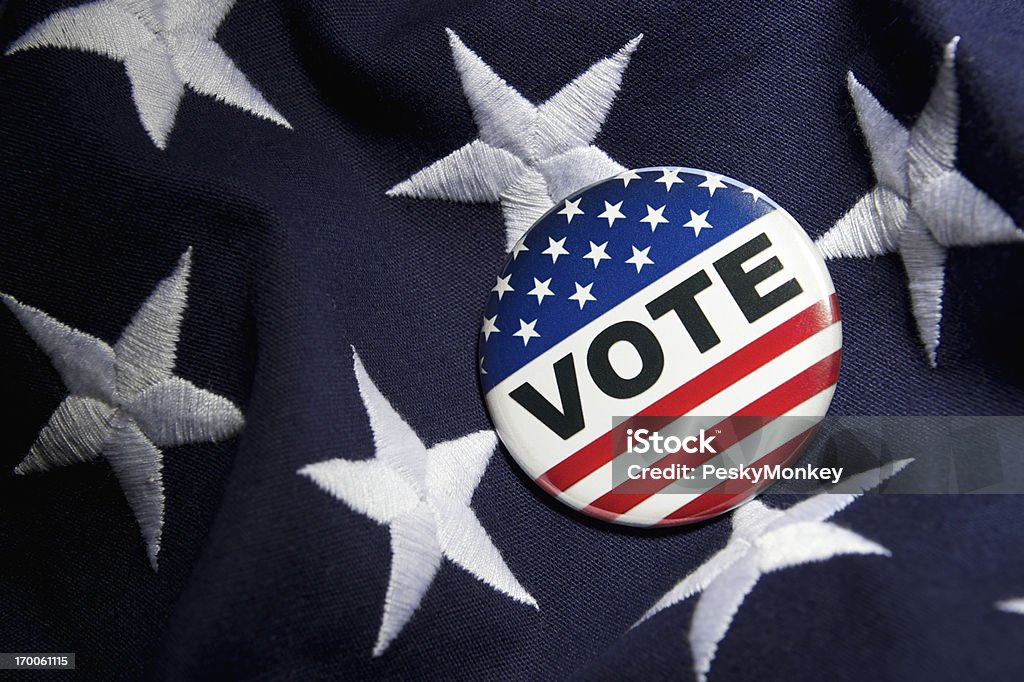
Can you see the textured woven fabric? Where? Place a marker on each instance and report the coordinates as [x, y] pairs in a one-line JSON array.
[[299, 254]]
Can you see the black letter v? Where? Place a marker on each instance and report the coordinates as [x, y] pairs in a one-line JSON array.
[[564, 424]]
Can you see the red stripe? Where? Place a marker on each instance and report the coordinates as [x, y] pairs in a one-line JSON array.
[[708, 383], [765, 409], [718, 501]]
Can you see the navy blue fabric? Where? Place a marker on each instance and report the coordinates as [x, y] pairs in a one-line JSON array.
[[299, 256]]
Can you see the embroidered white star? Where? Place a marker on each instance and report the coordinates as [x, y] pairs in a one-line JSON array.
[[519, 248], [713, 182], [597, 253], [571, 210], [611, 213], [125, 402], [555, 249], [669, 178], [527, 156], [921, 205], [164, 46], [627, 176], [540, 289], [582, 294], [654, 217], [698, 221], [423, 496], [765, 540], [527, 331], [489, 327], [502, 286], [1012, 606], [639, 258]]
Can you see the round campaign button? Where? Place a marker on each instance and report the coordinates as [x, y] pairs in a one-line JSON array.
[[660, 346]]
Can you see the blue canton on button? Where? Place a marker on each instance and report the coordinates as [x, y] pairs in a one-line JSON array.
[[559, 277]]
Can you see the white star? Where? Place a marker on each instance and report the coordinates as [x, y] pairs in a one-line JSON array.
[[669, 178], [489, 327], [125, 402], [582, 294], [555, 249], [921, 205], [698, 221], [527, 332], [611, 212], [526, 156], [571, 210], [654, 217], [423, 496], [764, 540], [713, 182], [754, 193], [502, 286], [540, 289], [164, 46], [1012, 606], [626, 176], [519, 248], [597, 253], [639, 258]]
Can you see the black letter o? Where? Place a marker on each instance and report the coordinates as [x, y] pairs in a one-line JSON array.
[[646, 344]]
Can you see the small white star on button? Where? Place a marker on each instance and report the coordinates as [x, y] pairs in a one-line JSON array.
[[713, 182], [582, 294], [502, 286], [489, 327], [571, 210], [669, 178], [540, 289], [611, 212], [519, 248], [597, 253], [626, 176], [526, 331], [698, 221], [655, 217], [756, 194], [555, 249], [639, 258]]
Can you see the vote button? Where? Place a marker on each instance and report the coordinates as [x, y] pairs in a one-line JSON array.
[[660, 346]]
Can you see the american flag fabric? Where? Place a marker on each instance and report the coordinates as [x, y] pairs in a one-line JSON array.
[[248, 247]]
